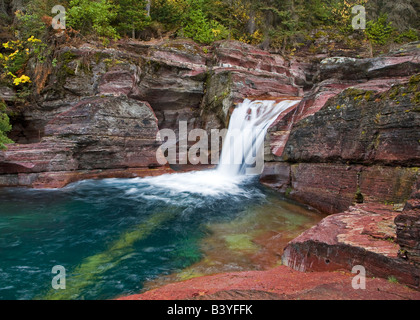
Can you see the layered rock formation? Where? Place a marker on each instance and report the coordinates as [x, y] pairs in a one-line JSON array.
[[360, 144], [364, 236], [72, 126], [351, 149], [97, 137], [408, 229]]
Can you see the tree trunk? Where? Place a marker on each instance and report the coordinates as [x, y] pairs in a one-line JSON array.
[[251, 25], [370, 49], [148, 6]]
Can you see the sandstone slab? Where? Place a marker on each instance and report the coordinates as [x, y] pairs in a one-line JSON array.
[[364, 235]]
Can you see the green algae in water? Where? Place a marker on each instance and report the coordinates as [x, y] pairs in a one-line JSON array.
[[92, 267], [240, 242]]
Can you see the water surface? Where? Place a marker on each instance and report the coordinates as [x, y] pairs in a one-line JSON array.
[[120, 236]]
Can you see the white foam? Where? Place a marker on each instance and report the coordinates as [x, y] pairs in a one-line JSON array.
[[207, 183]]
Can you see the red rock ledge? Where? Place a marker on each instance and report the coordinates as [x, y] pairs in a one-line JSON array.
[[363, 235], [280, 283]]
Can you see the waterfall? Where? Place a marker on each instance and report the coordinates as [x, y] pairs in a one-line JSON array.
[[243, 148], [242, 154]]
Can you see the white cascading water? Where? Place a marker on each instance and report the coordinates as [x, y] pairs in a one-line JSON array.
[[244, 141], [243, 149]]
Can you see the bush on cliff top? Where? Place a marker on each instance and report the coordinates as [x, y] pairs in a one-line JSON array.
[[280, 23], [200, 28]]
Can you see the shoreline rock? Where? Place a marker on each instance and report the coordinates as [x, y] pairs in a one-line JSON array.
[[364, 235], [280, 283]]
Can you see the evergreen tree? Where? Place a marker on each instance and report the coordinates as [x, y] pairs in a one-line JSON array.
[[93, 17], [132, 16], [199, 27]]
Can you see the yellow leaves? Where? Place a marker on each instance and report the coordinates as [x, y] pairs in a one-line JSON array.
[[13, 55], [19, 14], [34, 40], [253, 39], [216, 32], [19, 80], [13, 45], [22, 79], [14, 61], [344, 11], [178, 4]]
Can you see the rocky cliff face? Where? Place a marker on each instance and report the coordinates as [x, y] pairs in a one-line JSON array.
[[408, 228], [101, 136], [371, 141], [98, 112], [351, 149]]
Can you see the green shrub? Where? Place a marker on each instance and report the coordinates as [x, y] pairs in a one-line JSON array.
[[93, 17], [379, 31], [201, 29], [17, 54], [407, 36], [30, 22], [4, 126]]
